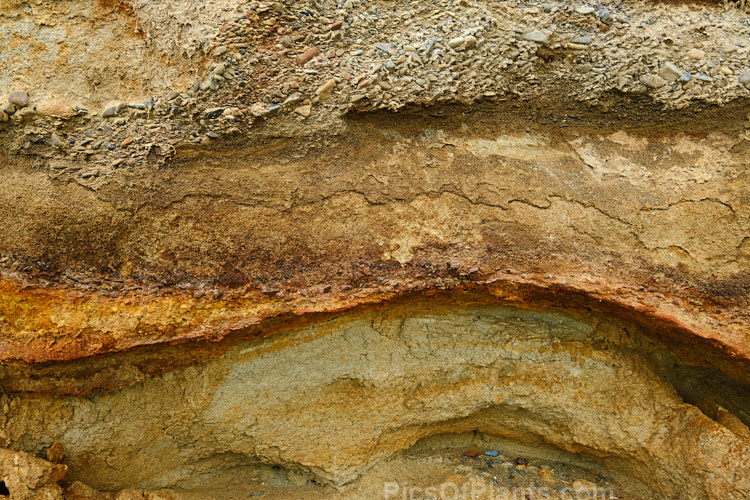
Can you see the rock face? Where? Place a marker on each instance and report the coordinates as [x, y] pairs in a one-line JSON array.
[[333, 251]]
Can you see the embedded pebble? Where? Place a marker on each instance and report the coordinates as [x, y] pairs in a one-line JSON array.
[[492, 453], [582, 40], [307, 55], [324, 91], [19, 99], [696, 54], [653, 81], [535, 36], [584, 9], [303, 111], [670, 72], [109, 112], [385, 48], [744, 79]]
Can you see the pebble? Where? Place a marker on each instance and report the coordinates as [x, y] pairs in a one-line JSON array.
[[522, 461], [324, 91], [56, 108], [3, 117], [307, 55], [653, 81], [8, 109], [535, 36], [670, 72], [744, 79], [492, 453], [685, 77], [303, 111], [696, 54], [385, 48], [19, 99], [212, 113], [336, 26], [357, 52], [604, 15], [220, 50], [583, 485], [582, 40], [703, 78], [127, 141], [584, 9], [455, 42], [109, 112]]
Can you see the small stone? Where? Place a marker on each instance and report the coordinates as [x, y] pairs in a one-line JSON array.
[[303, 111], [25, 113], [584, 10], [670, 72], [492, 453], [324, 91], [604, 16], [581, 485], [703, 78], [3, 117], [212, 113], [336, 26], [127, 141], [535, 36], [522, 461], [471, 453], [544, 475], [19, 99], [582, 40], [286, 41], [744, 80], [258, 109], [109, 112], [220, 69], [685, 77], [653, 81], [56, 108], [385, 48], [8, 108], [696, 54], [220, 50], [307, 55], [357, 52], [456, 42], [470, 42]]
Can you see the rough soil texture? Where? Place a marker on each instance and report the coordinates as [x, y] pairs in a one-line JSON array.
[[305, 249]]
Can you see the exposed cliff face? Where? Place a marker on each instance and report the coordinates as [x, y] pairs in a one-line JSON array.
[[267, 282]]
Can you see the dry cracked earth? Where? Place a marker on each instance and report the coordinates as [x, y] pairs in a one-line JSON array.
[[368, 249]]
